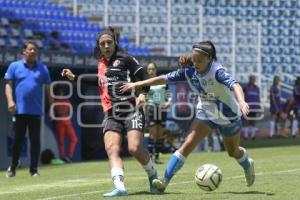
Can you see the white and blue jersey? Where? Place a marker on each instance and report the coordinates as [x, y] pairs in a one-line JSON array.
[[217, 106]]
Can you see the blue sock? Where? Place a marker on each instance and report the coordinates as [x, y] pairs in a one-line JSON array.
[[244, 160], [175, 163]]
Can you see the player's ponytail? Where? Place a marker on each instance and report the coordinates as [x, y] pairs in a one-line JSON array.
[[213, 52]]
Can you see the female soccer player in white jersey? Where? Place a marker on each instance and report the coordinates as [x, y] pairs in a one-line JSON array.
[[221, 104]]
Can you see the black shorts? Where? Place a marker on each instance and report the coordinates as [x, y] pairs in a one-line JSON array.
[[250, 119], [156, 115], [252, 115], [125, 121]]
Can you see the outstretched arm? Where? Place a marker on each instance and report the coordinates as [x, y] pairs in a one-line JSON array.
[[88, 79], [238, 91], [152, 81]]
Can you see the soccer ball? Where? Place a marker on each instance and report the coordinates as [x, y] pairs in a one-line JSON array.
[[208, 177]]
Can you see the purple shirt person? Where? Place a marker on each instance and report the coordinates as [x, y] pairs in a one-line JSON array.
[[252, 97], [277, 109], [275, 103], [296, 106], [296, 94]]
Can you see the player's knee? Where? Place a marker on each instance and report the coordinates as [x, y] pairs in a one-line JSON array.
[[134, 149], [112, 150]]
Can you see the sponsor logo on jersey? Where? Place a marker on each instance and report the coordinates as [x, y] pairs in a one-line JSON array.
[[37, 74], [116, 63], [203, 82]]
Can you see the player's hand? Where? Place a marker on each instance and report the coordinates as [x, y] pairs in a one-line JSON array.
[[185, 60], [68, 73], [12, 107], [244, 107], [140, 100], [166, 105], [128, 87]]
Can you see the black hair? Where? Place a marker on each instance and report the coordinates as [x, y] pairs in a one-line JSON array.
[[54, 34], [274, 79], [114, 34], [252, 77], [25, 45], [297, 82], [59, 88], [207, 48]]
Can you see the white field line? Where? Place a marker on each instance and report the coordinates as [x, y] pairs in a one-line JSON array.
[[61, 184], [86, 182]]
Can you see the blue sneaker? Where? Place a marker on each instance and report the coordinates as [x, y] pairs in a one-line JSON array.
[[153, 190], [115, 193]]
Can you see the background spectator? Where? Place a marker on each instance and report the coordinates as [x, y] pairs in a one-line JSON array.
[[24, 88]]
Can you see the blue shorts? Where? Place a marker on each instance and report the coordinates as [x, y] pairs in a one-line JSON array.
[[227, 130]]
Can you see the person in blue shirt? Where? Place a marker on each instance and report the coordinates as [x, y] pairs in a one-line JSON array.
[[25, 79], [221, 105]]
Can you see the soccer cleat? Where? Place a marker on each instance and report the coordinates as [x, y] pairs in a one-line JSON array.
[[115, 193], [10, 173], [153, 189], [160, 185], [35, 174], [67, 160], [250, 174]]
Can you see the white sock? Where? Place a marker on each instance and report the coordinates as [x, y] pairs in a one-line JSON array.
[[117, 175], [244, 160], [272, 128], [294, 127], [149, 168], [180, 156], [246, 129], [244, 157]]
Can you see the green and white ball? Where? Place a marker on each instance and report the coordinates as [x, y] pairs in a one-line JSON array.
[[208, 177]]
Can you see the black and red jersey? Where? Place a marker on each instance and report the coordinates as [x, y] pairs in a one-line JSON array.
[[121, 68]]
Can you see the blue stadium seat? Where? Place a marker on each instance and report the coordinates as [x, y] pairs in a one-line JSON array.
[[2, 43], [13, 43], [3, 32], [4, 22], [28, 33]]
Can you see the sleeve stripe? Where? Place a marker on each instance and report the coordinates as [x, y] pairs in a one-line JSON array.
[[230, 86], [165, 77], [137, 70]]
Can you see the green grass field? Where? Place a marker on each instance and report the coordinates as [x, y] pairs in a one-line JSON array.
[[277, 177]]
